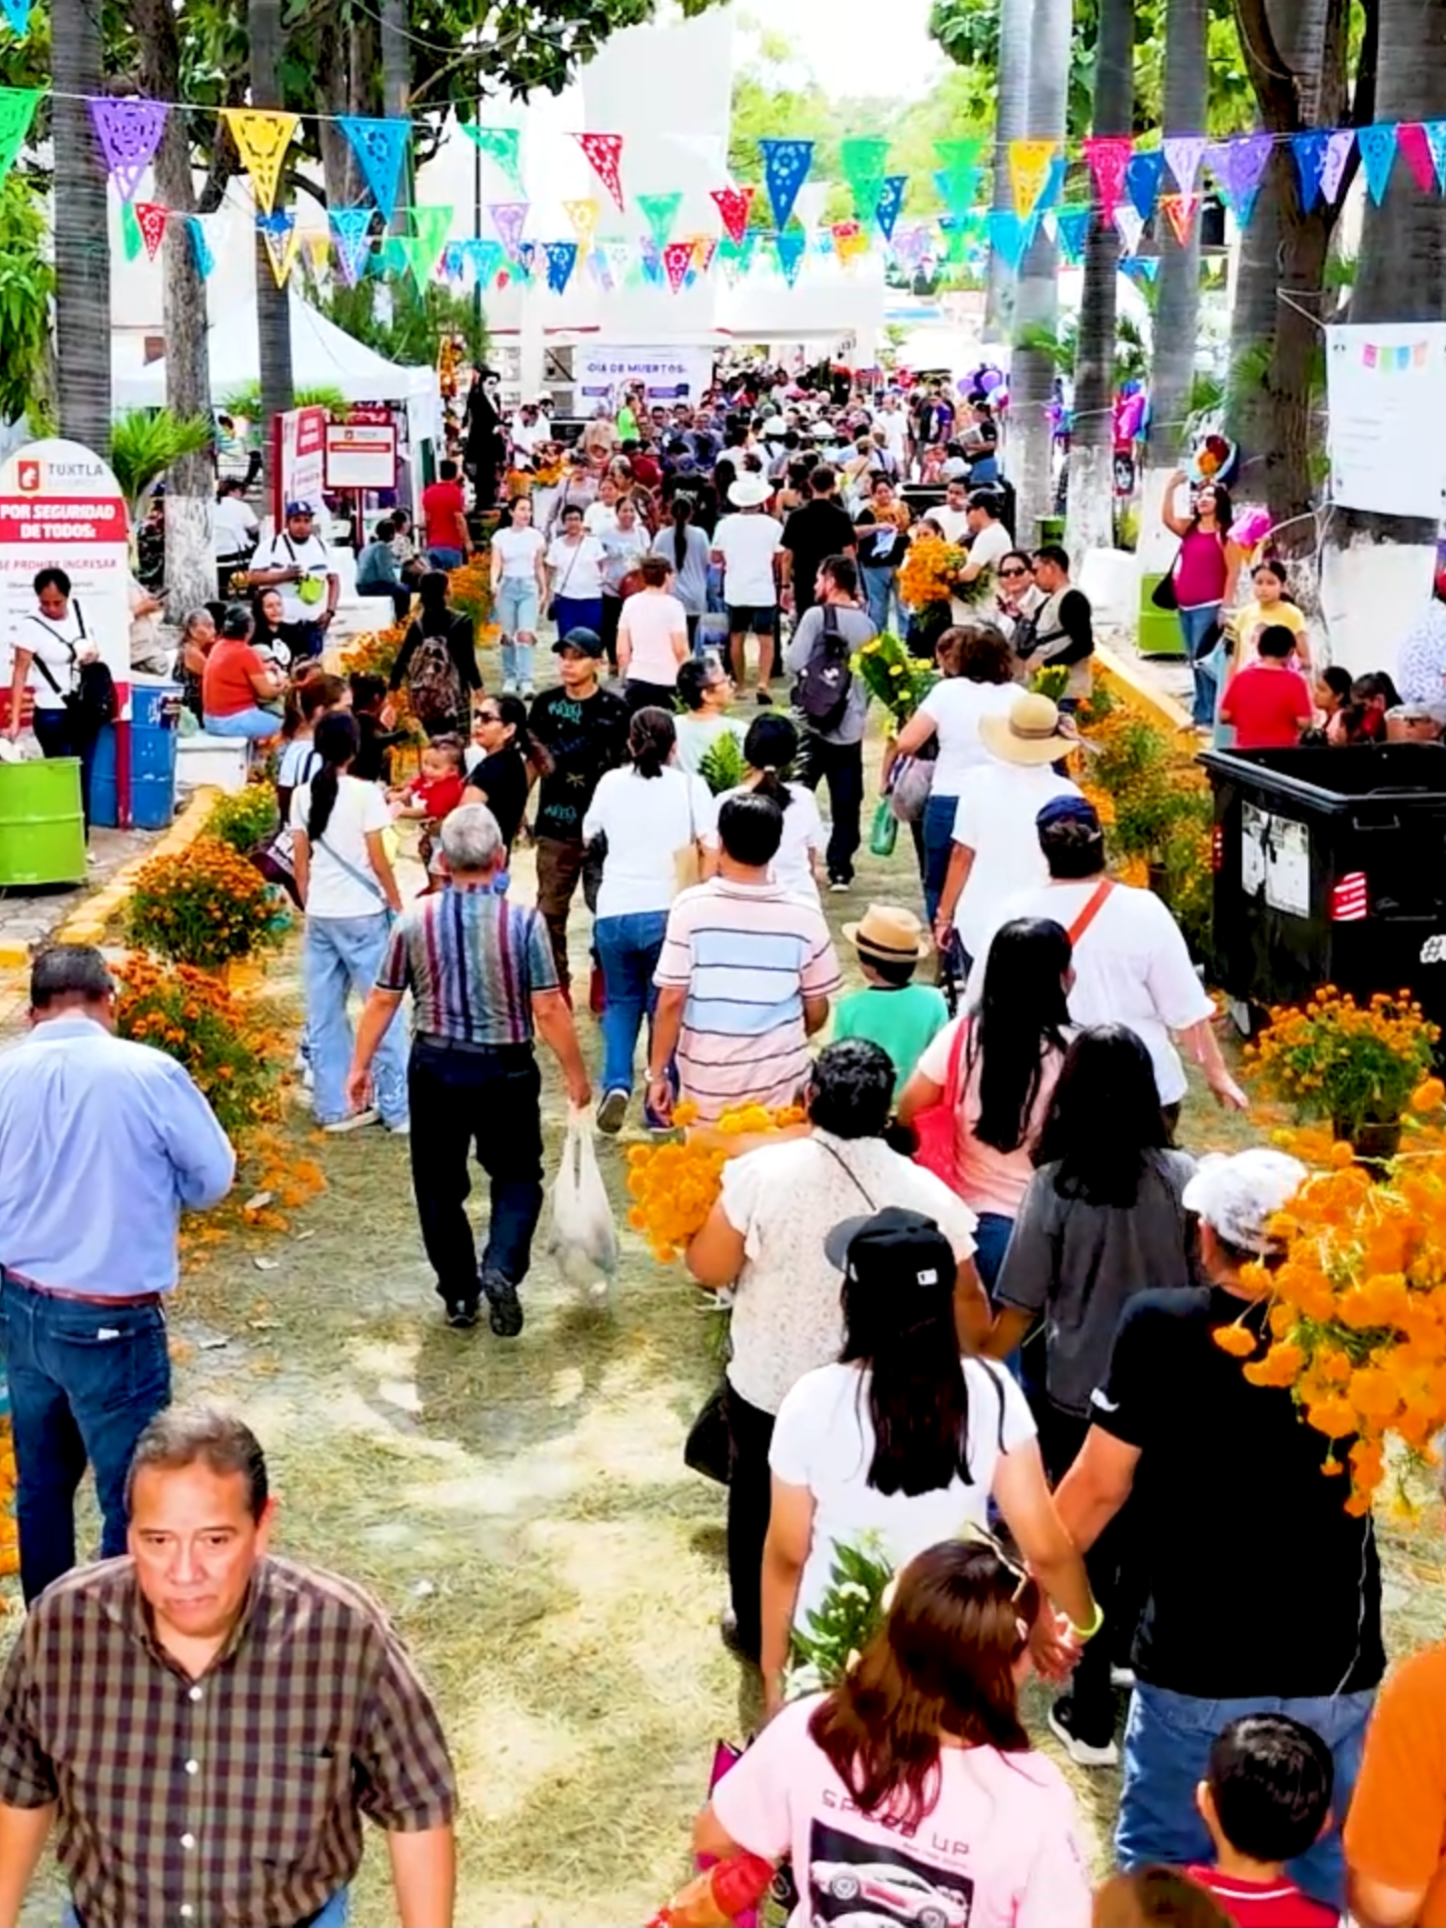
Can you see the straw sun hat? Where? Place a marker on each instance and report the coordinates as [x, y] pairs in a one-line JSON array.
[[884, 932], [1030, 733]]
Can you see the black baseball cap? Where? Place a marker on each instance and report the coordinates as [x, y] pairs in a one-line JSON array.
[[586, 640], [906, 1247]]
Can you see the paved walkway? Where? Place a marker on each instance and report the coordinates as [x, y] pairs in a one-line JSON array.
[[29, 916]]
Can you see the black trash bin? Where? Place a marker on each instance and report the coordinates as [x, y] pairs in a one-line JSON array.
[[1330, 868]]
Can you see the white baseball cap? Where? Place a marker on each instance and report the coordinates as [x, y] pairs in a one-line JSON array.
[[1237, 1195]]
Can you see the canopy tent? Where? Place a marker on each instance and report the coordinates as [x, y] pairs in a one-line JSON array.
[[322, 356]]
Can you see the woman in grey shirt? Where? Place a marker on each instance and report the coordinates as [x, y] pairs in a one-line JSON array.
[[1102, 1220], [685, 550]]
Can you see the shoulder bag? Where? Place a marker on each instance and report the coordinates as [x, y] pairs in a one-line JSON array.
[[688, 860], [936, 1127], [566, 579], [1090, 910], [91, 701]]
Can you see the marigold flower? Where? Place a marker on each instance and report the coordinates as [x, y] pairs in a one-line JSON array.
[[1429, 1096], [1235, 1340]]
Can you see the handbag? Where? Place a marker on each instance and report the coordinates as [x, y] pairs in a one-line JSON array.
[[1164, 594], [688, 861], [936, 1126], [91, 701], [566, 579], [911, 783], [707, 1449]]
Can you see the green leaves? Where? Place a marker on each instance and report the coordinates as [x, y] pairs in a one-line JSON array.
[[146, 442]]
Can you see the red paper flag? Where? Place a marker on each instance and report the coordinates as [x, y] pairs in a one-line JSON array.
[[733, 204], [1411, 141], [1109, 156], [605, 153], [1180, 211], [677, 259], [151, 217]]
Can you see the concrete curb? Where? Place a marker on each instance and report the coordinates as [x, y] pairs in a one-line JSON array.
[[1129, 680], [87, 925]]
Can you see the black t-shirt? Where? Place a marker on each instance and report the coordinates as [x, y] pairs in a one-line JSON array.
[[811, 534], [502, 779], [584, 737], [1260, 1582], [885, 550]]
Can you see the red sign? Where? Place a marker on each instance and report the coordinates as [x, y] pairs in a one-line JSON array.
[[27, 519]]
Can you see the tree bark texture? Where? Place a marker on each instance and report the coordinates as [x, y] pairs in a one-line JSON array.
[[1032, 370], [273, 304], [1016, 18], [82, 238], [1177, 307]]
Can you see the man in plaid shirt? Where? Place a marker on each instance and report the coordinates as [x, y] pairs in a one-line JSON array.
[[204, 1723]]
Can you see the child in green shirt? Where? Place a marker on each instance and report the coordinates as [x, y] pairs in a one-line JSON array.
[[902, 1017]]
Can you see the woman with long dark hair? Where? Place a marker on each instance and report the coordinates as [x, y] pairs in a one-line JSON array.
[[915, 1774], [502, 774], [1102, 1220], [345, 884], [769, 750], [684, 547], [440, 688], [1203, 577], [1002, 1059]]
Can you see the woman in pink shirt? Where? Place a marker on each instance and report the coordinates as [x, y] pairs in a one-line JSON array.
[[1204, 574], [1003, 1059], [911, 1793], [652, 639]]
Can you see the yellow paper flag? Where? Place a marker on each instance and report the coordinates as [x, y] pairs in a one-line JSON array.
[[583, 217], [278, 231], [1029, 165], [262, 136], [318, 246]]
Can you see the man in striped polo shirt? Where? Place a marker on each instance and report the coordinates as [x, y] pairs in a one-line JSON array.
[[744, 978]]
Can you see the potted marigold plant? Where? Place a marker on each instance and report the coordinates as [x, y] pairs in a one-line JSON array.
[[205, 906], [1355, 1065], [192, 1017]]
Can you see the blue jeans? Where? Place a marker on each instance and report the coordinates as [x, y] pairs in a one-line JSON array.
[[344, 954], [880, 594], [1196, 626], [247, 723], [572, 612], [991, 1242], [336, 1913], [939, 815], [442, 558], [85, 1381], [628, 949], [1167, 1746], [517, 608]]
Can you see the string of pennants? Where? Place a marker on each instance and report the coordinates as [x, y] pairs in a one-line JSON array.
[[1130, 183]]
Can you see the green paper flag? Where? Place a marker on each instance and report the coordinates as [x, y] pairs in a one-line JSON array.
[[17, 110], [864, 163], [130, 231], [958, 175], [432, 225], [501, 144], [660, 211]]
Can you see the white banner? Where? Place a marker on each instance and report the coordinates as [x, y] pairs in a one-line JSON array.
[[668, 374], [1386, 391]]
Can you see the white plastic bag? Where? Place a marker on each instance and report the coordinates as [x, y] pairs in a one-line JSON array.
[[583, 1239]]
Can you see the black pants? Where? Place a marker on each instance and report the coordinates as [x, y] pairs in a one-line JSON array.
[[489, 1099], [750, 1434], [612, 615], [58, 734], [841, 765], [645, 696]]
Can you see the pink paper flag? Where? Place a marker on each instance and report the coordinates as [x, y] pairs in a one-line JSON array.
[[1109, 156], [1411, 140], [151, 217], [677, 259], [604, 153]]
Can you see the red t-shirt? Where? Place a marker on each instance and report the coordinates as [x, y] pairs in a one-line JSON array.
[[439, 797], [1269, 707], [442, 503], [226, 686], [1264, 1904]]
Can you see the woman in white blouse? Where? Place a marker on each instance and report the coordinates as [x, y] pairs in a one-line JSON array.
[[50, 647], [769, 750]]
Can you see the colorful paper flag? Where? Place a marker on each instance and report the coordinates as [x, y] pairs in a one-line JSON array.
[[790, 246], [1142, 180], [1030, 165], [17, 110], [889, 203], [1072, 229], [733, 204], [318, 250], [129, 132], [1183, 155], [1238, 166], [959, 169], [1108, 156], [677, 259], [1333, 168], [605, 155], [351, 230], [151, 217], [582, 218], [130, 231], [1180, 211], [1308, 150], [660, 211], [863, 161], [1377, 144], [1129, 223], [509, 218], [1141, 267], [561, 257], [277, 228], [201, 253], [484, 258], [499, 144], [1416, 150], [785, 168], [262, 136], [424, 246], [1009, 236], [380, 147], [17, 13]]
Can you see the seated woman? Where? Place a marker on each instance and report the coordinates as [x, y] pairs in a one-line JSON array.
[[236, 683]]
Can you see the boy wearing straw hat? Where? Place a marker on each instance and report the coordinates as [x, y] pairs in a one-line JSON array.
[[901, 1017]]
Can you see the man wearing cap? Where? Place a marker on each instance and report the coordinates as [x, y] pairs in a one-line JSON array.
[[584, 729], [748, 545], [1265, 1594], [989, 540], [295, 562]]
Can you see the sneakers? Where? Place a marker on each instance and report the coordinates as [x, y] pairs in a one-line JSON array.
[[353, 1122], [612, 1111], [837, 884], [402, 1128], [509, 688], [1082, 1753], [462, 1313], [505, 1316], [528, 691]]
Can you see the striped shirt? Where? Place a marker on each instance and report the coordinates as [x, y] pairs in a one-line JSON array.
[[234, 1797], [748, 956], [472, 962]]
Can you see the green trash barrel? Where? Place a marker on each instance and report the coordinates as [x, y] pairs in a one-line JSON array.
[[1159, 628], [42, 831]]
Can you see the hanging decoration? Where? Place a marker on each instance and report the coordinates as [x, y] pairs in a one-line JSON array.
[[605, 155], [1009, 236], [1072, 230], [1309, 150], [1416, 152], [151, 218], [1180, 211], [17, 110], [1435, 133], [1130, 224], [1333, 170], [262, 136], [677, 259], [1142, 180], [789, 247], [351, 230], [582, 219], [318, 250], [785, 168], [1183, 155], [863, 162], [500, 144], [959, 169], [130, 231], [1030, 165], [733, 204], [509, 218], [277, 229], [381, 148], [431, 226], [1238, 166], [484, 258], [1109, 156], [201, 252], [561, 258], [1142, 267], [17, 15], [1377, 144], [891, 200], [660, 211], [129, 132]]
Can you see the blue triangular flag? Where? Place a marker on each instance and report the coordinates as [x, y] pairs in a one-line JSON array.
[[1141, 267], [785, 168], [891, 199], [1009, 236], [485, 258], [1072, 227], [1435, 132], [1142, 180], [1378, 156], [561, 260], [1310, 151], [200, 246], [1054, 186], [351, 238], [380, 147], [790, 249]]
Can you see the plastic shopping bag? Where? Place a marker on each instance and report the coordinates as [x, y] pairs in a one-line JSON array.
[[885, 831], [583, 1239]]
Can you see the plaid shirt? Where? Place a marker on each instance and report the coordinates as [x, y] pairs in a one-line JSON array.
[[472, 961], [235, 1800]]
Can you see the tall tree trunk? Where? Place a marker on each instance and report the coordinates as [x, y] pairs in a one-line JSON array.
[[1091, 454], [190, 491], [82, 238], [397, 92], [1016, 20], [1177, 308], [273, 304], [1032, 370]]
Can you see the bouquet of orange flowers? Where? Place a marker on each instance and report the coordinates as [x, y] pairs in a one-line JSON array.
[[204, 906], [1356, 1065], [675, 1185]]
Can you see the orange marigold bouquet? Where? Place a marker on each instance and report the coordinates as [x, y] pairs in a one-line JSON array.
[[932, 572], [675, 1185], [204, 906], [193, 1018], [1355, 1065]]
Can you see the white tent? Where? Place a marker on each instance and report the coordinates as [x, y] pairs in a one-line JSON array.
[[322, 356]]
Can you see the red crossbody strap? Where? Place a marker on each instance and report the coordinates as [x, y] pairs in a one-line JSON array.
[[1091, 910]]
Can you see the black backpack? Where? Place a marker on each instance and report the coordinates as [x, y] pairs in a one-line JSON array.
[[824, 682]]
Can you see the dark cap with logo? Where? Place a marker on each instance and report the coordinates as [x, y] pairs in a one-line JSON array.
[[586, 641], [903, 1248]]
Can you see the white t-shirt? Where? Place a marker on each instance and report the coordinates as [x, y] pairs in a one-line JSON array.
[[893, 425], [956, 706], [647, 821], [527, 435], [577, 569], [299, 762], [954, 522], [651, 622], [600, 519], [333, 891], [803, 833], [233, 527], [824, 1440], [748, 544], [1131, 967], [519, 550], [995, 818], [991, 545], [697, 735], [57, 643], [285, 552]]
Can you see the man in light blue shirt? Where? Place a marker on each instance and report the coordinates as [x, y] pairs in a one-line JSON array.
[[102, 1143]]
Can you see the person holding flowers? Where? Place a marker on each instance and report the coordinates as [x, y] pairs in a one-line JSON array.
[[1265, 1592]]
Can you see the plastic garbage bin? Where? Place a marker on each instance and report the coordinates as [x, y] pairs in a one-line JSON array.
[[155, 715], [42, 831], [1330, 868]]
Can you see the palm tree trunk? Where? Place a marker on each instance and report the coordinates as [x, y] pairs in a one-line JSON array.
[[273, 304], [1091, 453], [1032, 370], [397, 92], [82, 238], [1016, 19]]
